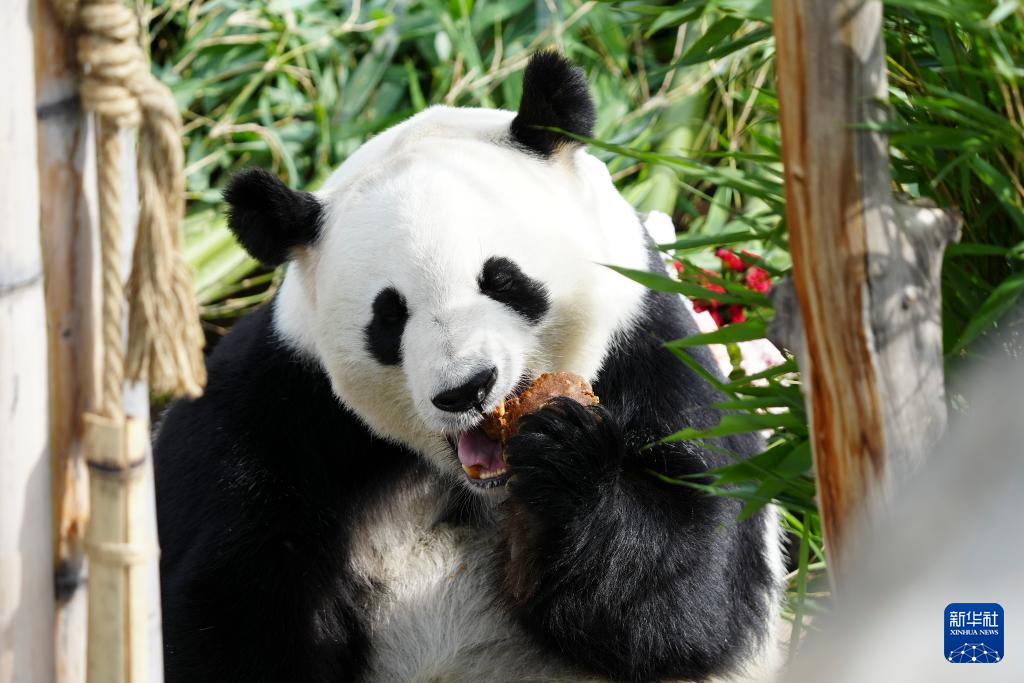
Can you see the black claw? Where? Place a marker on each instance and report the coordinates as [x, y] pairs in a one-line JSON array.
[[564, 447]]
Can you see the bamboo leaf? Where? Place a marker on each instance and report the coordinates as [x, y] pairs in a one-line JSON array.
[[1001, 300], [732, 424], [785, 368], [693, 242], [747, 330], [663, 283], [1001, 188], [713, 44]]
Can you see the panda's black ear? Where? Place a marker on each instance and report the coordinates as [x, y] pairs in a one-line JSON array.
[[269, 218], [555, 95]]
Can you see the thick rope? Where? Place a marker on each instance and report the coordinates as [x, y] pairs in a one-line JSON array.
[[164, 337], [112, 301]]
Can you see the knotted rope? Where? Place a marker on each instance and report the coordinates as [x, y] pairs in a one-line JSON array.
[[164, 337]]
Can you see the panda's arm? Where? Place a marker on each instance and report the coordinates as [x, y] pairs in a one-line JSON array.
[[616, 569], [251, 591], [254, 512]]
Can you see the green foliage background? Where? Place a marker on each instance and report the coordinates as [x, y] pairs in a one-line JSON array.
[[687, 122]]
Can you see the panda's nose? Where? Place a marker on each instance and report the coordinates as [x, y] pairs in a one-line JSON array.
[[472, 394]]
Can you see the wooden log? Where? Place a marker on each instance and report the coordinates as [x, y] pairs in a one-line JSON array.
[[26, 586], [865, 268], [67, 223]]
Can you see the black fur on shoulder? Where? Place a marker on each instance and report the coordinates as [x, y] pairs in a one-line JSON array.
[[261, 484], [611, 567], [555, 95], [269, 218]]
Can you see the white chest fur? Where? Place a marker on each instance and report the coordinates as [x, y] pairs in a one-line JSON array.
[[434, 615]]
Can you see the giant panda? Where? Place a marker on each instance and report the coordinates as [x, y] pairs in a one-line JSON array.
[[316, 519]]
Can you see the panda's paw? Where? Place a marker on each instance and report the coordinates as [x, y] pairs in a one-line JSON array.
[[564, 448], [564, 460]]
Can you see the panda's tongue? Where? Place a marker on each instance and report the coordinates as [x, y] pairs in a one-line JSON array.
[[478, 454]]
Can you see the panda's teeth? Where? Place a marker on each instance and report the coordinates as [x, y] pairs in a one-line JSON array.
[[492, 475], [479, 473]]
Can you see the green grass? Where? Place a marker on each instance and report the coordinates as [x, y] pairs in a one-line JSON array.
[[687, 122]]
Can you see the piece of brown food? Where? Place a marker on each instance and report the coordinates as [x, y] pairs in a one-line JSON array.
[[503, 422]]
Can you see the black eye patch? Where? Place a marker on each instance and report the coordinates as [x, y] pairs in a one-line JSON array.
[[502, 281], [384, 333]]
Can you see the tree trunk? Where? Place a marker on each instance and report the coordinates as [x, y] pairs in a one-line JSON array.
[[865, 269], [26, 583]]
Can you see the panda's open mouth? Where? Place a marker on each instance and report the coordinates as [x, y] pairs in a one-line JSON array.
[[482, 459]]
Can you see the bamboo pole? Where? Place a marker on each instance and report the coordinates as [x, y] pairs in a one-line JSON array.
[[26, 595], [123, 631], [866, 270]]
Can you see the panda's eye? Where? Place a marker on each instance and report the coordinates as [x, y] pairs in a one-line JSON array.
[[498, 282], [384, 333], [389, 307], [498, 276], [502, 280]]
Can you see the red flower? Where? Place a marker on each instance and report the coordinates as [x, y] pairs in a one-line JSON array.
[[722, 314], [701, 305], [730, 259], [679, 266], [757, 279], [753, 277], [707, 284]]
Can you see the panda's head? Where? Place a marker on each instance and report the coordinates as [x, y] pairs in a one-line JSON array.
[[449, 260]]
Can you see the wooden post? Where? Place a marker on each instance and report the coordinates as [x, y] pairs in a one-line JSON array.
[[67, 170], [69, 226], [865, 268], [26, 583]]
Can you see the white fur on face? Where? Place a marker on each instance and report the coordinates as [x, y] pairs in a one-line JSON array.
[[421, 208]]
